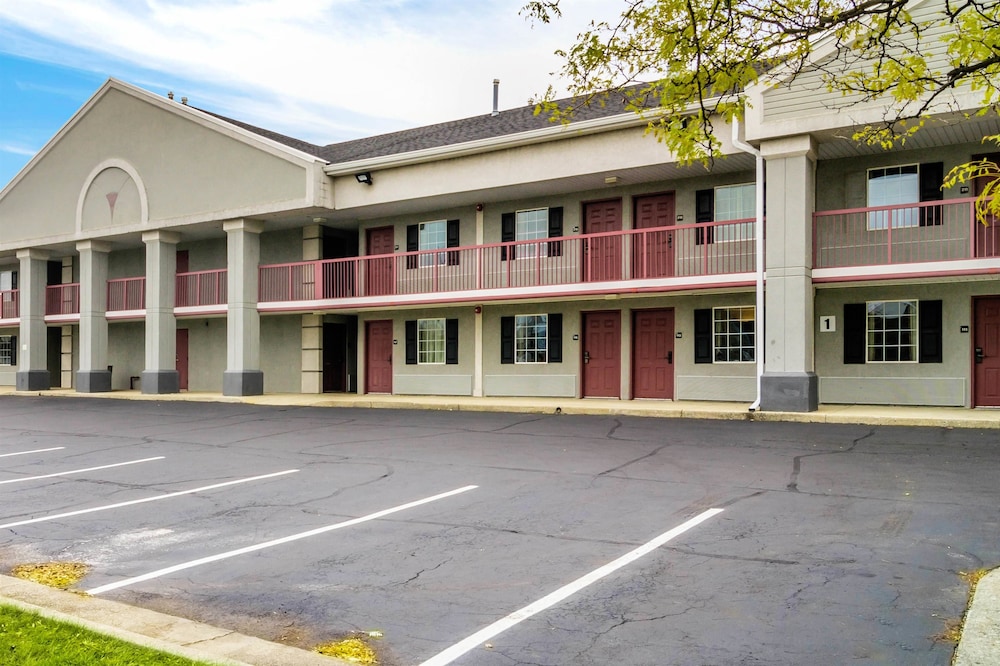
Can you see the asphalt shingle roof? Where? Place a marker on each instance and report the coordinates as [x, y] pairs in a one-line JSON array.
[[507, 122]]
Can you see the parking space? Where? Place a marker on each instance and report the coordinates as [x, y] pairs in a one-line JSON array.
[[510, 539]]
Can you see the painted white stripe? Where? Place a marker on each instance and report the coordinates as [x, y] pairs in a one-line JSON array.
[[154, 498], [274, 542], [498, 627], [81, 471], [24, 453]]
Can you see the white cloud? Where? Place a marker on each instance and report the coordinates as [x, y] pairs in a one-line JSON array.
[[17, 150], [320, 69]]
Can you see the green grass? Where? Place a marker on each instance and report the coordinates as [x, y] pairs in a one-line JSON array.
[[28, 639]]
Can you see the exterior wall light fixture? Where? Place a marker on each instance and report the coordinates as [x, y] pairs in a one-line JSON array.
[[364, 178]]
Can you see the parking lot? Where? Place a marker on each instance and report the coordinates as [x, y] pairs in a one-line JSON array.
[[498, 539]]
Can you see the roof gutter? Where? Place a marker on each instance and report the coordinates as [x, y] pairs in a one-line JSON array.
[[759, 247]]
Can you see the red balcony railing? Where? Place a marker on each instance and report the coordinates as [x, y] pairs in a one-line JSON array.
[[201, 288], [693, 250], [926, 232], [9, 304], [126, 294], [62, 299]]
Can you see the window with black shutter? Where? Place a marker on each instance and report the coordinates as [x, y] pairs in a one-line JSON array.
[[931, 177], [411, 342], [555, 231], [507, 224], [506, 340], [555, 337], [451, 341], [412, 245], [453, 241], [931, 329]]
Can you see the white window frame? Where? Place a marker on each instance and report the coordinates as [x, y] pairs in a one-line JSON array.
[[8, 349], [431, 341], [902, 218], [874, 344], [723, 334], [531, 250], [527, 350], [734, 232], [432, 235]]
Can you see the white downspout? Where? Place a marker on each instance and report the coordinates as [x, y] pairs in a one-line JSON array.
[[759, 246]]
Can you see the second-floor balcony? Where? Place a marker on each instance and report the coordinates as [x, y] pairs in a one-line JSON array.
[[662, 258], [924, 238]]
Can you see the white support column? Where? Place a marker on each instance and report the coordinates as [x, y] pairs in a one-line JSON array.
[[66, 357], [312, 324], [32, 369], [477, 367], [93, 375], [160, 375], [789, 382], [243, 375]]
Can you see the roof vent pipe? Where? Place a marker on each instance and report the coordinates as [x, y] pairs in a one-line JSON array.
[[170, 95], [496, 97], [184, 101]]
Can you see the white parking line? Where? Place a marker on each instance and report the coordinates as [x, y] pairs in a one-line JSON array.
[[24, 453], [275, 542], [80, 471], [498, 627], [154, 498]]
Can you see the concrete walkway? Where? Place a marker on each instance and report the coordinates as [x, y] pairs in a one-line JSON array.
[[979, 645]]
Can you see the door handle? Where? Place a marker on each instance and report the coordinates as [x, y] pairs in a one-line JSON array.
[[979, 355], [586, 357], [670, 357], [670, 240]]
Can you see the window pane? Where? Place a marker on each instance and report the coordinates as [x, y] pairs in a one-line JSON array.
[[892, 186], [892, 331], [530, 338], [735, 340], [532, 225], [430, 341], [432, 236], [735, 202]]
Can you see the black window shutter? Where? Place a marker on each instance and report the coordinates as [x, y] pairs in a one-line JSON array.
[[506, 339], [412, 244], [931, 177], [452, 241], [555, 230], [411, 342], [506, 235], [931, 327], [703, 336], [555, 337], [451, 341], [704, 211], [854, 333]]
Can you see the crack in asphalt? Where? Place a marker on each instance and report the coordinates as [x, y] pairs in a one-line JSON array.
[[793, 482]]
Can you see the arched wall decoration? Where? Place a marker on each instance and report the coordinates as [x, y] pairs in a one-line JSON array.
[[112, 196]]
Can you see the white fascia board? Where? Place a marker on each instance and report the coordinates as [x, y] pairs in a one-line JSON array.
[[541, 135]]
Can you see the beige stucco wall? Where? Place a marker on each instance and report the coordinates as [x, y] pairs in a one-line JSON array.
[[183, 170], [947, 383], [281, 353], [126, 352], [206, 352]]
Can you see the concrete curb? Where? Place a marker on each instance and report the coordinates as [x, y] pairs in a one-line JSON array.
[[980, 642], [166, 633]]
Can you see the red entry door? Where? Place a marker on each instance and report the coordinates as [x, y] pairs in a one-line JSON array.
[[182, 358], [653, 354], [603, 255], [378, 356], [602, 357], [987, 353], [381, 274], [653, 251]]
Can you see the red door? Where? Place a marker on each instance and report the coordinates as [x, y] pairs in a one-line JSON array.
[[603, 254], [182, 358], [653, 354], [986, 379], [378, 356], [602, 369], [653, 251], [381, 272]]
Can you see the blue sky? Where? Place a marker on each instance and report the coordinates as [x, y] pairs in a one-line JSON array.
[[335, 70]]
